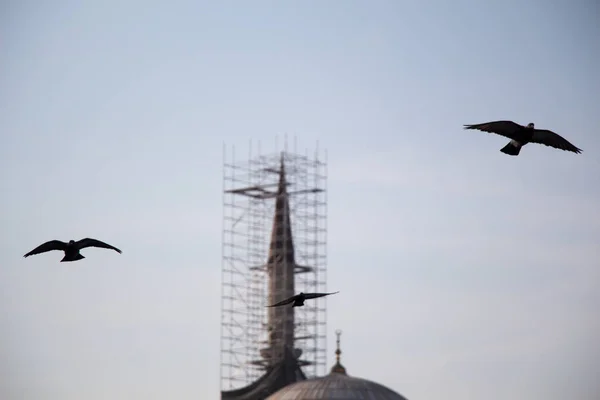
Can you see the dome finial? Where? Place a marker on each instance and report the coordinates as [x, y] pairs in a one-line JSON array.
[[338, 367], [338, 351]]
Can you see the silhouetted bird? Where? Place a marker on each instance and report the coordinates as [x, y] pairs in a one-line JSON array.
[[298, 299], [71, 249], [521, 135]]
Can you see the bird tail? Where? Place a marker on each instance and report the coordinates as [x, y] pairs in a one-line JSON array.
[[512, 148], [74, 258]]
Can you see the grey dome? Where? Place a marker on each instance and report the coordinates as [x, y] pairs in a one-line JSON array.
[[335, 386]]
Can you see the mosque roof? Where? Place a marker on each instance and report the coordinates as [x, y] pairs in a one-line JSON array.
[[336, 385]]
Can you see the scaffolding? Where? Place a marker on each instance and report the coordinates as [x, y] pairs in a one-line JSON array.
[[249, 190]]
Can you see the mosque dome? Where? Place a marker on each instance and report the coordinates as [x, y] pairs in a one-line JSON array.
[[336, 385]]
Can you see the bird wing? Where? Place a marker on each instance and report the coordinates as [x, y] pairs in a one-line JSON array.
[[315, 295], [284, 302], [507, 129], [48, 246], [549, 138], [87, 242]]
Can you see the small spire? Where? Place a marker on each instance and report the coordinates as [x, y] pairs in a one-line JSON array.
[[281, 248], [282, 183], [338, 368], [338, 333]]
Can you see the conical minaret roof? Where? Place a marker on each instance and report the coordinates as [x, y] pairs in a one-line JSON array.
[[282, 243]]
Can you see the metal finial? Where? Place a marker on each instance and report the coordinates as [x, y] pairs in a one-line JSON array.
[[338, 368], [338, 351]]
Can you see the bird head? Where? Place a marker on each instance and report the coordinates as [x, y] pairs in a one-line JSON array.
[[531, 125], [71, 241]]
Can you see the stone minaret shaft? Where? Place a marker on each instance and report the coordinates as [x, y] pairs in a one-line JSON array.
[[280, 266]]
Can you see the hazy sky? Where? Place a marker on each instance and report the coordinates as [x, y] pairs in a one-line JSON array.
[[464, 273]]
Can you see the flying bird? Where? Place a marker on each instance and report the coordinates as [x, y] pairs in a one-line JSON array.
[[521, 135], [71, 249], [298, 299]]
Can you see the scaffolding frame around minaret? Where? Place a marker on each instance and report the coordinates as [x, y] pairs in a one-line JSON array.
[[248, 207]]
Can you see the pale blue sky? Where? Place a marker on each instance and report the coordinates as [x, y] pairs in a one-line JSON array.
[[478, 271]]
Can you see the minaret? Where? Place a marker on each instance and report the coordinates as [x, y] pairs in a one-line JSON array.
[[281, 266]]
